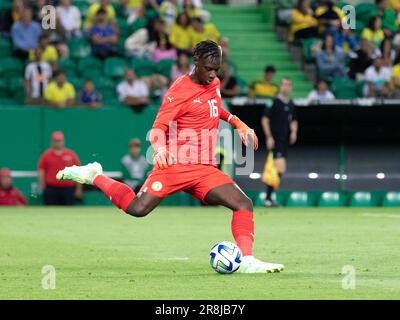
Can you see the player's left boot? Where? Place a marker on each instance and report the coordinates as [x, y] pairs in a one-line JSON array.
[[81, 174], [252, 265]]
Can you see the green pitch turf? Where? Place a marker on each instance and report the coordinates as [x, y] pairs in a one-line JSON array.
[[99, 253]]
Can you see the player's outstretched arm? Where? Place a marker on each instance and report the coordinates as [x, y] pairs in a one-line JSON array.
[[243, 130]]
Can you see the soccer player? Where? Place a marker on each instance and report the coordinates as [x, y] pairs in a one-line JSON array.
[[190, 109], [280, 127]]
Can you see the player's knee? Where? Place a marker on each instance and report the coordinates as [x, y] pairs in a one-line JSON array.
[[138, 210], [245, 204]]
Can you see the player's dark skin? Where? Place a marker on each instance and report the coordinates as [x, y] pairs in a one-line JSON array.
[[228, 195]]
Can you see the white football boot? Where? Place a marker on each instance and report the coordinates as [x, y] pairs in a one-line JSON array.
[[81, 174], [252, 265]]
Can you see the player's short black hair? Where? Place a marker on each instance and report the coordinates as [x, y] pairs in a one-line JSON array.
[[269, 68], [207, 49]]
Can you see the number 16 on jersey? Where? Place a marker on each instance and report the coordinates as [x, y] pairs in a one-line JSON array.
[[213, 108]]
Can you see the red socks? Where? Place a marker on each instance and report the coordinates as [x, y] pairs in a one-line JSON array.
[[120, 194], [243, 231]]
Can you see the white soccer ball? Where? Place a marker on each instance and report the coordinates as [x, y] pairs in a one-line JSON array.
[[225, 257]]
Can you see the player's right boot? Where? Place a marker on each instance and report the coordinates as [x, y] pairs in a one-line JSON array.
[[252, 265], [81, 174]]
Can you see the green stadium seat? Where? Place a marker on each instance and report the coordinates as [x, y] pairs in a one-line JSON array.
[[3, 87], [5, 47], [16, 87], [142, 67], [77, 82], [298, 199], [243, 87], [391, 199], [11, 67], [79, 48], [164, 67], [83, 6], [307, 54], [331, 199], [344, 88], [364, 11], [258, 198], [360, 25], [90, 63], [361, 199], [67, 64], [115, 67], [91, 74]]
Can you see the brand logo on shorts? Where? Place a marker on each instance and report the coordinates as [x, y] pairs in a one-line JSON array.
[[156, 186]]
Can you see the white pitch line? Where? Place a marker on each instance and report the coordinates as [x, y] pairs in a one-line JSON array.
[[382, 215], [178, 258]]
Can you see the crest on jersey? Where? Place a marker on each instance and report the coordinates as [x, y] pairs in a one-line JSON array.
[[218, 92], [156, 185]]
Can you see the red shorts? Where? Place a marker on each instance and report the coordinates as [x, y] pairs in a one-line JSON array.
[[195, 179]]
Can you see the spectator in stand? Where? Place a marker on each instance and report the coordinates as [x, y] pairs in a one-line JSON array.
[[373, 32], [179, 35], [303, 24], [133, 92], [134, 166], [229, 86], [56, 158], [11, 16], [92, 13], [49, 52], [346, 39], [360, 60], [394, 5], [395, 78], [377, 78], [387, 53], [37, 75], [181, 67], [330, 60], [168, 12], [164, 51], [89, 96], [25, 34], [9, 195], [200, 31], [320, 92], [265, 87], [191, 10], [103, 37], [329, 17], [60, 93], [70, 18], [387, 16], [143, 42]]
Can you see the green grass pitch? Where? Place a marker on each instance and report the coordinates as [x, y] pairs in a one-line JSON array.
[[100, 253]]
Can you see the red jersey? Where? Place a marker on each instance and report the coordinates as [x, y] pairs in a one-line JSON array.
[[189, 115], [51, 163], [12, 197]]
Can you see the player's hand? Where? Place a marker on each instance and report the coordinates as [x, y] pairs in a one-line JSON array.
[[270, 143], [162, 158], [245, 132], [293, 138]]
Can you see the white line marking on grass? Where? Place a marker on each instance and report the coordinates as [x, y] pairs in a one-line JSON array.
[[178, 258], [382, 215]]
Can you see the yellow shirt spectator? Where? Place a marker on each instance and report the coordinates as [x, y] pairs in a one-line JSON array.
[[179, 37], [301, 21], [133, 3], [91, 15], [55, 94], [374, 37], [209, 32], [49, 54], [263, 89], [321, 10], [395, 77], [394, 4]]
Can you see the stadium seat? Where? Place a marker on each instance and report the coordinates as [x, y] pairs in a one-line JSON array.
[[298, 199], [89, 63], [5, 47], [331, 199], [142, 67], [115, 67], [391, 199], [77, 82], [79, 48], [10, 67], [164, 67], [16, 87], [364, 11], [344, 88], [3, 87], [307, 54], [83, 6], [361, 199], [66, 64]]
